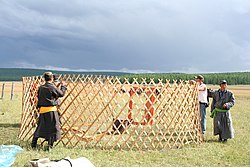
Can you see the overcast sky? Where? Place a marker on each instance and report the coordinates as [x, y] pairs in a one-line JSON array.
[[126, 35]]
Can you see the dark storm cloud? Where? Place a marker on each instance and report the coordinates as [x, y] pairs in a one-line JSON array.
[[160, 36]]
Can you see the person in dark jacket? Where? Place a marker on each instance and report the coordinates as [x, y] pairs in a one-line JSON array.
[[57, 83], [48, 122], [223, 101]]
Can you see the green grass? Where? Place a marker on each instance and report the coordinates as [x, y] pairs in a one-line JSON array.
[[211, 153]]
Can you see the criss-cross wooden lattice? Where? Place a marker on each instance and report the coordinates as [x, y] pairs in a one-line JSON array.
[[103, 112]]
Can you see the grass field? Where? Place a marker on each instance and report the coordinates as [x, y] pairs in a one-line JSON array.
[[235, 152]]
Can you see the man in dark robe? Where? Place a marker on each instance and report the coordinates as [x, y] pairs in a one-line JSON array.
[[223, 100], [48, 122]]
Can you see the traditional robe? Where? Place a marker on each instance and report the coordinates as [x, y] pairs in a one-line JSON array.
[[48, 122], [223, 125]]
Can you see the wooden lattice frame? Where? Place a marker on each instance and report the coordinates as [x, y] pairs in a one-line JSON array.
[[103, 112]]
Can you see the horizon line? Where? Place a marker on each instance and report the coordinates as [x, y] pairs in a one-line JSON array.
[[139, 71]]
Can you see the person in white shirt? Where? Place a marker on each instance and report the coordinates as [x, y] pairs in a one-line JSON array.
[[202, 100]]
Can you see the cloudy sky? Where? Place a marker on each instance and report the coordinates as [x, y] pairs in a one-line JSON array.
[[126, 35]]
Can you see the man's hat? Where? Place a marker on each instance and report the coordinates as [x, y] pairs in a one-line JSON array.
[[199, 77], [223, 82], [47, 74]]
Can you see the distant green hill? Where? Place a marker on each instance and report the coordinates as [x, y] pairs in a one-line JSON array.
[[16, 74], [233, 78]]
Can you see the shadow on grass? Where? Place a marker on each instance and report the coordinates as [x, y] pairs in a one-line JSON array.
[[6, 125]]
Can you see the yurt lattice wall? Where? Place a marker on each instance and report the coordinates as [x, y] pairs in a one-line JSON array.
[[103, 112]]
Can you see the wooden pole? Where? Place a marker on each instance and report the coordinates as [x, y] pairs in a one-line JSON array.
[[12, 91], [3, 90], [150, 111], [131, 93]]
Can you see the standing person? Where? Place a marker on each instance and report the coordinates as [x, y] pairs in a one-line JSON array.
[[56, 80], [48, 121], [202, 100], [223, 100], [57, 83]]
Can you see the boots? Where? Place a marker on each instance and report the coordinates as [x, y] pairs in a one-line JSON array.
[[220, 139], [34, 143], [50, 144], [51, 141]]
